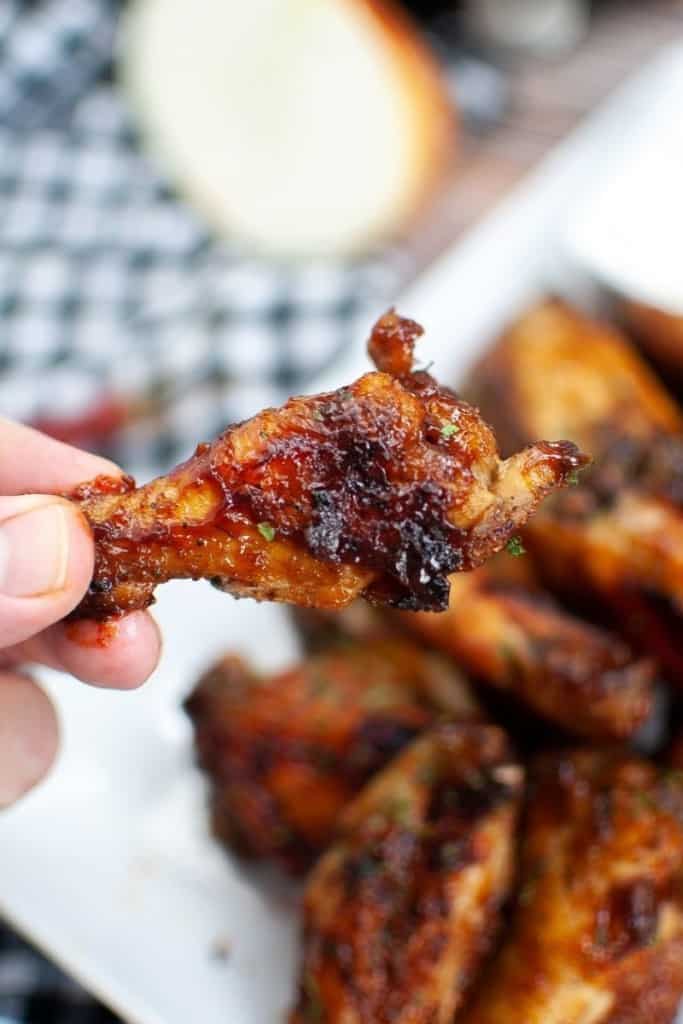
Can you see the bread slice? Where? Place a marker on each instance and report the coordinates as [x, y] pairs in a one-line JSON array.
[[298, 126]]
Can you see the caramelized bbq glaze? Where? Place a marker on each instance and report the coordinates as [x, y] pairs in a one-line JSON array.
[[402, 908], [597, 933], [382, 488], [614, 542], [284, 754]]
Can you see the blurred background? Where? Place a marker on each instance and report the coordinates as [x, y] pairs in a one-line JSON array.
[[202, 205]]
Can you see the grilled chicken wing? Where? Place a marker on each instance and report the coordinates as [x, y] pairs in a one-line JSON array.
[[382, 488], [284, 755], [505, 631], [597, 934], [517, 639], [618, 536], [399, 912]]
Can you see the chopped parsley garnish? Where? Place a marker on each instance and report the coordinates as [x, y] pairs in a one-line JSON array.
[[400, 810], [573, 477], [515, 547], [449, 429], [267, 531], [427, 774], [451, 854], [315, 1012], [644, 800], [380, 695]]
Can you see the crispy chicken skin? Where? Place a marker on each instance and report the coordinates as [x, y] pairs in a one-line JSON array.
[[618, 536], [400, 911], [517, 639], [285, 754], [508, 633], [382, 488], [597, 933]]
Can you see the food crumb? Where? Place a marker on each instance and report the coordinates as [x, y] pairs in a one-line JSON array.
[[221, 950]]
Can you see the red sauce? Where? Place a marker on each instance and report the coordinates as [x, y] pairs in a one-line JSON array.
[[86, 633]]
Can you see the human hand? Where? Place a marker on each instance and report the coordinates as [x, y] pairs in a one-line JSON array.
[[46, 564]]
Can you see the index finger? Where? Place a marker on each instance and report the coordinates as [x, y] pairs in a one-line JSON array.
[[31, 462]]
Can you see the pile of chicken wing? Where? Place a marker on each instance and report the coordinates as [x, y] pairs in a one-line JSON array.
[[464, 790]]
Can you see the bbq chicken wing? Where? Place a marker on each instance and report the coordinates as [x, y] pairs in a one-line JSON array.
[[284, 755], [506, 632], [597, 934], [518, 640], [382, 488], [618, 535], [400, 911]]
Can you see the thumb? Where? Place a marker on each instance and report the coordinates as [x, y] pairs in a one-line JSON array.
[[46, 563]]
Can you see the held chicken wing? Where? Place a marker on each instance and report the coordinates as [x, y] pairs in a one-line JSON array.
[[382, 488], [400, 911], [597, 934], [508, 633], [618, 536], [284, 755]]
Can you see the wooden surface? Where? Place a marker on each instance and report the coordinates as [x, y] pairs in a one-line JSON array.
[[548, 99]]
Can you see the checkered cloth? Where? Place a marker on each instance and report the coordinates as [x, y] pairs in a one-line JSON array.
[[33, 991], [109, 286]]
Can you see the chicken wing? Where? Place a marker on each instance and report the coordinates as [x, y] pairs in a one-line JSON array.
[[597, 934], [508, 633], [517, 639], [400, 911], [285, 754], [618, 536], [382, 488]]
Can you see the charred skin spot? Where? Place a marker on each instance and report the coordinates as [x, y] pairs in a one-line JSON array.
[[629, 919]]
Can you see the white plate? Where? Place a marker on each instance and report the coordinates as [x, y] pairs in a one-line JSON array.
[[108, 865]]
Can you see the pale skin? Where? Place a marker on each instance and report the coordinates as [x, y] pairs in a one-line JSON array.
[[46, 563]]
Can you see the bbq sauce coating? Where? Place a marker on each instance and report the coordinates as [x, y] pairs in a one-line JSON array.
[[402, 908], [285, 754], [597, 933], [382, 488]]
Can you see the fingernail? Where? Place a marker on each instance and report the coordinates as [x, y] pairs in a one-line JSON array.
[[34, 551]]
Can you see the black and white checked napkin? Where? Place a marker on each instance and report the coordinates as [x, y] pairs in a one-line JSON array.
[[109, 285]]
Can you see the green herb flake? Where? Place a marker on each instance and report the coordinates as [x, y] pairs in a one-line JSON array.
[[601, 934], [573, 478], [427, 774], [267, 531], [400, 810], [451, 855], [315, 1011], [449, 429], [320, 685], [644, 800], [527, 892], [380, 695], [515, 547]]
